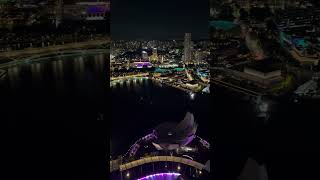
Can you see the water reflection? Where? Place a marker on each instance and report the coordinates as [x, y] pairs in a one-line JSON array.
[[50, 108], [99, 62], [59, 74], [134, 84], [13, 76], [37, 70]]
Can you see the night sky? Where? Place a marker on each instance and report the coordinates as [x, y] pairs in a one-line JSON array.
[[162, 19]]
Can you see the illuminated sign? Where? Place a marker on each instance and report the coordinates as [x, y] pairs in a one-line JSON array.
[[96, 9]]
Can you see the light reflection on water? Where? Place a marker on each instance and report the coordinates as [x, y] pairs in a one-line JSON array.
[[58, 72], [133, 83], [50, 107]]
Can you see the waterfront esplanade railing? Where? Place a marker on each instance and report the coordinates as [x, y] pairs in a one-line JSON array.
[[116, 165], [130, 76]]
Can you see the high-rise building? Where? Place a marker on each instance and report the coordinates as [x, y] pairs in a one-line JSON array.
[[154, 51], [154, 56], [273, 4], [144, 55], [58, 12], [187, 48], [198, 56], [280, 4]]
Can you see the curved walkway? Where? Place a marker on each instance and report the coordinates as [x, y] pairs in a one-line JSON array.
[[50, 55], [115, 164], [51, 49]]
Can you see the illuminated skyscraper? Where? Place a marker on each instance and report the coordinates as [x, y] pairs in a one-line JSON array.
[[144, 55], [155, 52], [273, 4], [154, 56], [187, 47], [278, 4], [58, 12]]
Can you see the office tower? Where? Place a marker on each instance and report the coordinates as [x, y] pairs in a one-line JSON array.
[[187, 47], [273, 4], [144, 55], [154, 56], [58, 12], [278, 4]]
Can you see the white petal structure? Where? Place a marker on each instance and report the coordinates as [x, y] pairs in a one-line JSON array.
[[174, 135]]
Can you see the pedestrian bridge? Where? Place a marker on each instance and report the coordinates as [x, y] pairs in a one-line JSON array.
[[115, 165]]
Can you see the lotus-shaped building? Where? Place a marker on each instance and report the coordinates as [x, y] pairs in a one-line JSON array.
[[172, 135]]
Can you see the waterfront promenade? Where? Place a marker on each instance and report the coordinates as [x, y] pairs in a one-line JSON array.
[[18, 54]]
